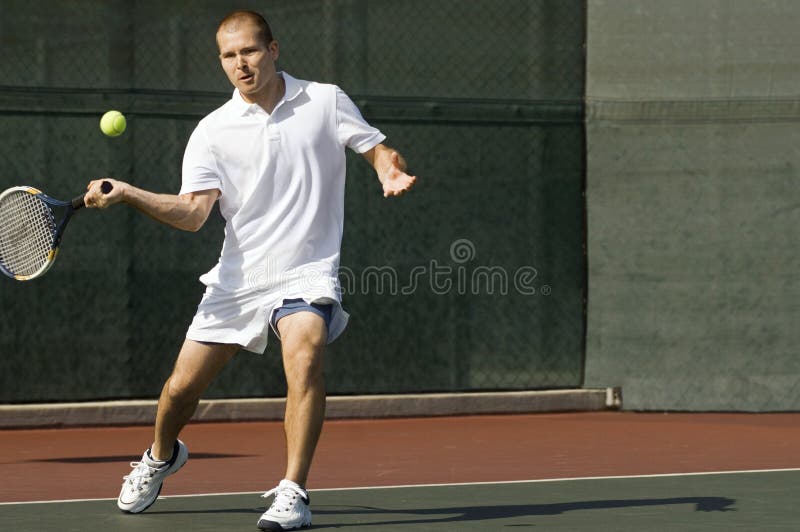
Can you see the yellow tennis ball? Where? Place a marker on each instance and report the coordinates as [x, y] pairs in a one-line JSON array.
[[113, 124]]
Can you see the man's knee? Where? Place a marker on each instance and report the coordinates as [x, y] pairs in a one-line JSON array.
[[181, 389], [195, 368], [303, 363]]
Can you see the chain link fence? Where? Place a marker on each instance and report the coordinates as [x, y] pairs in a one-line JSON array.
[[473, 282]]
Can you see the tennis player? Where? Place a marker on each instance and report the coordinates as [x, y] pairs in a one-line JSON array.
[[274, 158]]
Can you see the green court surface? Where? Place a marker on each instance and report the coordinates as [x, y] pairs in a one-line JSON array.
[[751, 501]]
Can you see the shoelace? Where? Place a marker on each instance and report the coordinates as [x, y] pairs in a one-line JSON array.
[[284, 497], [140, 475]]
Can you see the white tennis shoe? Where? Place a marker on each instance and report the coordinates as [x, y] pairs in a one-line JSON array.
[[289, 509], [142, 486]]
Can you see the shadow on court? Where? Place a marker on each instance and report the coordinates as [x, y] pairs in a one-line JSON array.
[[372, 515], [126, 458], [483, 513]]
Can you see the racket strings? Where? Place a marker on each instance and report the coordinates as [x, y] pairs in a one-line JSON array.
[[27, 228]]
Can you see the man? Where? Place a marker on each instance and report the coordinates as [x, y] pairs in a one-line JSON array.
[[274, 158]]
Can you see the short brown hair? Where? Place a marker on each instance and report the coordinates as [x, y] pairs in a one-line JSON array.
[[256, 18]]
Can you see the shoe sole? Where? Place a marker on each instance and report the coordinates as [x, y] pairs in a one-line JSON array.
[[272, 526]]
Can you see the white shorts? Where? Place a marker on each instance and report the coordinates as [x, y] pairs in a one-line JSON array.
[[244, 318]]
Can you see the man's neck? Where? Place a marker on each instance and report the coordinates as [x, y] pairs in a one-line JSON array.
[[272, 94]]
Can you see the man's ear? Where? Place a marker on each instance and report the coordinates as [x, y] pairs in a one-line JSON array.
[[274, 50]]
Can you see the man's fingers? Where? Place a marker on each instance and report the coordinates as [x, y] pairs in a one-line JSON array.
[[399, 187], [95, 197]]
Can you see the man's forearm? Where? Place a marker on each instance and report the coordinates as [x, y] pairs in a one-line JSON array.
[[184, 212]]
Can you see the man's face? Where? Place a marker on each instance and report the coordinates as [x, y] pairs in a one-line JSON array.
[[248, 62]]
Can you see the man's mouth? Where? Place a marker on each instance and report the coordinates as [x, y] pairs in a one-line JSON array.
[[246, 77]]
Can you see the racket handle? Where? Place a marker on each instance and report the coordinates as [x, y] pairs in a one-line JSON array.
[[77, 202]]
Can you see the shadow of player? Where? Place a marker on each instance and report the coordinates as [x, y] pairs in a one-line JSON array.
[[482, 513]]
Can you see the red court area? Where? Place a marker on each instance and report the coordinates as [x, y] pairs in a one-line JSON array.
[[54, 464]]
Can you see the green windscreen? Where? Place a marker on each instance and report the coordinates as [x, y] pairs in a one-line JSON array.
[[473, 281]]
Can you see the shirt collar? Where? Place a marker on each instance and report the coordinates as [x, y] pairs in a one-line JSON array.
[[292, 91], [293, 87]]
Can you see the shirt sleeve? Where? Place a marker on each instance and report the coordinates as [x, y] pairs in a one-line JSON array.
[[352, 129], [199, 170]]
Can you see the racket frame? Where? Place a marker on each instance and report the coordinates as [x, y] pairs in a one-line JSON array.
[[70, 206]]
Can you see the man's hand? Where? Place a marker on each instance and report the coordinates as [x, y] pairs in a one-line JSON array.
[[96, 199], [391, 169], [394, 179]]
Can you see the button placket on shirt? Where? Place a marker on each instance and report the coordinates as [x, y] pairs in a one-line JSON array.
[[273, 132]]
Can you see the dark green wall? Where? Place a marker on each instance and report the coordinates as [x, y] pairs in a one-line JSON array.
[[484, 98]]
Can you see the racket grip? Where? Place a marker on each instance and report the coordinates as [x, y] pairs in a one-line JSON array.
[[77, 202]]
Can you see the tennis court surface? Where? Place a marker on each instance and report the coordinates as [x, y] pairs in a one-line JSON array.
[[543, 472]]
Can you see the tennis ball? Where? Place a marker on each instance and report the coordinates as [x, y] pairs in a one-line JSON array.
[[113, 123]]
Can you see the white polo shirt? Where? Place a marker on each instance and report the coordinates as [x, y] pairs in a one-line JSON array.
[[282, 179]]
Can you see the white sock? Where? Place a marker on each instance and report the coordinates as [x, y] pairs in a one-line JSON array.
[[154, 461]]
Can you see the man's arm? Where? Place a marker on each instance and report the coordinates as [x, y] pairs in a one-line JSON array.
[[391, 169], [187, 211]]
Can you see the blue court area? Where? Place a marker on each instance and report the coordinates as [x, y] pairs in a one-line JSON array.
[[751, 501]]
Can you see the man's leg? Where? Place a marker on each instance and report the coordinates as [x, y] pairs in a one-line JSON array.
[[197, 365], [303, 339]]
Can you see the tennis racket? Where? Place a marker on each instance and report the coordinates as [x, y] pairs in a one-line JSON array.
[[30, 233]]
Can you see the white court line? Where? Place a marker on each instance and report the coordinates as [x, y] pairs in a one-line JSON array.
[[535, 481]]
